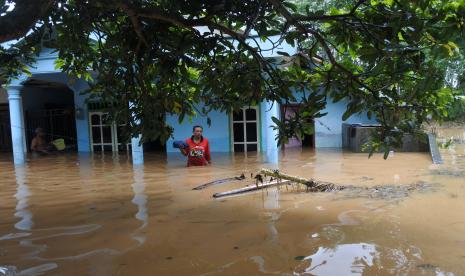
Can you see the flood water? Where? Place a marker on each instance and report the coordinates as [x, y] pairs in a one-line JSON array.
[[99, 215]]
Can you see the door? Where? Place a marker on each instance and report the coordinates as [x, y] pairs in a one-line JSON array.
[[245, 130], [105, 135], [288, 111]]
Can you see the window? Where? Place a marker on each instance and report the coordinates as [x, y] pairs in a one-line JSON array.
[[245, 130], [105, 135]]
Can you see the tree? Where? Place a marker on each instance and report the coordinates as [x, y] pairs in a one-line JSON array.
[[389, 57]]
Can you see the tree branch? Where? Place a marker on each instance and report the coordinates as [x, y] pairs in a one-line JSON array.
[[16, 23], [329, 17], [134, 20], [292, 20]]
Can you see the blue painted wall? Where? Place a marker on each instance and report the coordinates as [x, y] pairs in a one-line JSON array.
[[328, 129], [268, 110], [217, 133]]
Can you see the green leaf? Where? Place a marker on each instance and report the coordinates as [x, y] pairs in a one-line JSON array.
[[386, 153], [276, 120], [282, 53]]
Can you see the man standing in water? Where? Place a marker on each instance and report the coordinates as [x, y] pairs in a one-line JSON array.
[[39, 143], [198, 150]]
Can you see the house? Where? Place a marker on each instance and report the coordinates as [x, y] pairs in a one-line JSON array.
[[54, 101]]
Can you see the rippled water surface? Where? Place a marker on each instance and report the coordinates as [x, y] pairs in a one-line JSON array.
[[99, 215]]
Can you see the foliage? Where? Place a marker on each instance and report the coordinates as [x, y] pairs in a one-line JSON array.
[[156, 57]]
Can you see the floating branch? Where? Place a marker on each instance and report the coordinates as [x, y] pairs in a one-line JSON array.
[[250, 188], [219, 181], [311, 184]]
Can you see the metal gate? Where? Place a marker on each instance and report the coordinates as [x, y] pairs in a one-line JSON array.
[[57, 123], [5, 129]]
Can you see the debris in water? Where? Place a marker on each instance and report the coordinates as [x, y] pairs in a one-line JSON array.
[[220, 181], [258, 178], [426, 266], [311, 184], [380, 191], [249, 189]]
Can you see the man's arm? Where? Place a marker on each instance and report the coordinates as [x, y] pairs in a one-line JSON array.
[[34, 144]]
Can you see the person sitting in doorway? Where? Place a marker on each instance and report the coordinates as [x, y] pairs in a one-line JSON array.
[[39, 143], [198, 148]]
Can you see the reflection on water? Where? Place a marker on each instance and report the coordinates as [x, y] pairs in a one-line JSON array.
[[22, 196], [344, 259], [140, 200], [99, 215]]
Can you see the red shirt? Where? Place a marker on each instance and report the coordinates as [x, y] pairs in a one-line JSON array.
[[198, 153]]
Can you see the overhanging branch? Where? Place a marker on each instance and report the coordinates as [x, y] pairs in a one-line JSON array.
[[16, 23]]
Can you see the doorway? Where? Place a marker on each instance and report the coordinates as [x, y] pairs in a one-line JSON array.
[[5, 129], [50, 106], [308, 141], [106, 135]]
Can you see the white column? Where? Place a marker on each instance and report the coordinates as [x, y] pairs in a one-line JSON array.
[[137, 150], [17, 124], [271, 145], [136, 145]]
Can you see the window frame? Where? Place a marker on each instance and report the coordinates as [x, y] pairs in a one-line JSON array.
[[244, 121], [114, 133]]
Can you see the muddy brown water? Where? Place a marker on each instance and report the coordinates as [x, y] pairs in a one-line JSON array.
[[99, 215]]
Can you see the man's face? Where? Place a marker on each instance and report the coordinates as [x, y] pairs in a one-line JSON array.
[[198, 132]]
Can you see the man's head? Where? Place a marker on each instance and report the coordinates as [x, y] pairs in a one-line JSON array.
[[40, 131], [197, 131]]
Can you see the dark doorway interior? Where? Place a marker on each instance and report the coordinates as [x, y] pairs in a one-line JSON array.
[[57, 123], [49, 106], [154, 146], [5, 129]]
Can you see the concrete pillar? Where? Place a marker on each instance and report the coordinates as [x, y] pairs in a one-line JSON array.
[[82, 115], [137, 151], [269, 143], [18, 136], [136, 145]]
